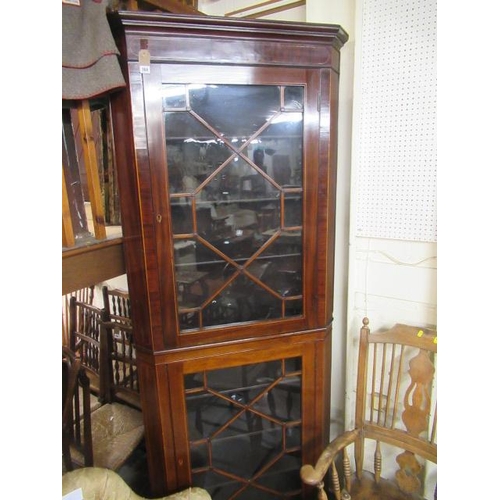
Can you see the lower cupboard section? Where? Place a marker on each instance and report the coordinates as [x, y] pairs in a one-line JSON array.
[[244, 430]]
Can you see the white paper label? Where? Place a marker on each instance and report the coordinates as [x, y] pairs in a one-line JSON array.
[[74, 495], [144, 61]]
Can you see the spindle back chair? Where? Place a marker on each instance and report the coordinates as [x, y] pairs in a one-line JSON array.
[[85, 295], [76, 423], [123, 381], [104, 437], [395, 417], [87, 342], [117, 303]]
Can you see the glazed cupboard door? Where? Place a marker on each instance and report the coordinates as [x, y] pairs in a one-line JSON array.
[[234, 176], [245, 418]]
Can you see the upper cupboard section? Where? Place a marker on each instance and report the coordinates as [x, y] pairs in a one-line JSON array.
[[229, 176]]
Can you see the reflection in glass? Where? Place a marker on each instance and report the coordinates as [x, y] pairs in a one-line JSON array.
[[236, 111], [174, 96], [235, 169], [294, 98], [244, 429]]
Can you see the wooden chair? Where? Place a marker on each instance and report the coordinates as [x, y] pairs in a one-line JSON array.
[[123, 374], [76, 429], [83, 295], [117, 303], [396, 417], [123, 377], [86, 342], [105, 437]]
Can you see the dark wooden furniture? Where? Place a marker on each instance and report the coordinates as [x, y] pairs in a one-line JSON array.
[[76, 429], [123, 381], [230, 280], [396, 417], [117, 304], [103, 341], [86, 295], [104, 437], [86, 266], [89, 345], [123, 373]]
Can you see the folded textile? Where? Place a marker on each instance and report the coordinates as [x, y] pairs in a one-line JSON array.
[[89, 54]]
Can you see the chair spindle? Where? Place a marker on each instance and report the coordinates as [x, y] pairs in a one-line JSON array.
[[378, 463], [336, 481], [321, 492], [347, 471]]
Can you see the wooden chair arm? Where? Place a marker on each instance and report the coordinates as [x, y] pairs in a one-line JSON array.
[[313, 476]]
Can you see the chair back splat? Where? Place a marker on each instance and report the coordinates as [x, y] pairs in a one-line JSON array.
[[87, 343], [395, 421], [76, 426], [123, 379], [117, 302], [123, 373]]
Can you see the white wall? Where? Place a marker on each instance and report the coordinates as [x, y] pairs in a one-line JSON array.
[[393, 258], [389, 280]]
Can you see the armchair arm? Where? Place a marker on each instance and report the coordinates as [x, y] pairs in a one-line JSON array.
[[313, 476]]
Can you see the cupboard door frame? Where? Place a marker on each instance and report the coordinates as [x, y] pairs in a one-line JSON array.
[[154, 173], [312, 349]]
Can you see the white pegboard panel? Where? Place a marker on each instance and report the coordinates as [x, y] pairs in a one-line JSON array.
[[396, 139]]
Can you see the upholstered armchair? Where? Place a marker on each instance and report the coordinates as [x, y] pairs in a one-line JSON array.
[[103, 484]]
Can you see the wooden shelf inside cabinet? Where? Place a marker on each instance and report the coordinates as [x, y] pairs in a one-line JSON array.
[[226, 154]]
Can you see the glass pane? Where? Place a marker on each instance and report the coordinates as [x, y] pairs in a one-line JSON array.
[[206, 414], [283, 476], [293, 308], [251, 492], [293, 209], [199, 455], [244, 376], [284, 399], [220, 487], [282, 142], [284, 256], [174, 96], [193, 152], [246, 438], [192, 382], [242, 300], [294, 98], [245, 421], [293, 437], [236, 111], [293, 365], [234, 156]]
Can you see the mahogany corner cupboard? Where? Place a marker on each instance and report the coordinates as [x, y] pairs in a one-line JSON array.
[[226, 140]]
